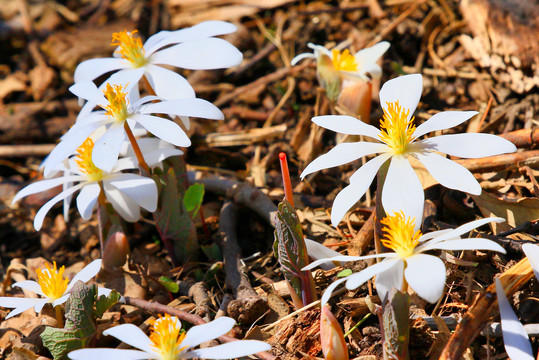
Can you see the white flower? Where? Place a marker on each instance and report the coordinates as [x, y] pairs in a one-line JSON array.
[[515, 338], [408, 260], [358, 65], [126, 192], [398, 139], [193, 48], [119, 106], [52, 286], [168, 342]]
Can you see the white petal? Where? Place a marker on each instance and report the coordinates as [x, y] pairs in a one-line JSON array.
[[122, 204], [391, 278], [61, 300], [449, 173], [359, 183], [18, 303], [107, 147], [91, 69], [358, 279], [234, 349], [43, 185], [168, 84], [329, 290], [209, 53], [402, 190], [36, 303], [342, 154], [185, 107], [532, 252], [142, 190], [131, 335], [430, 284], [367, 58], [29, 285], [373, 69], [318, 251], [300, 57], [342, 258], [86, 200], [40, 216], [88, 91], [67, 147], [515, 339], [463, 229], [346, 125], [405, 89], [87, 273], [469, 145], [199, 31], [434, 234], [465, 244], [118, 354], [206, 332], [164, 129], [443, 120], [127, 77]]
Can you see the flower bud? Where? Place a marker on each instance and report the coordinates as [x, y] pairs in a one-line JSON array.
[[116, 251], [355, 97], [331, 337], [329, 78]]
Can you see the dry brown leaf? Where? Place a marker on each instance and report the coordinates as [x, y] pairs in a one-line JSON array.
[[515, 211]]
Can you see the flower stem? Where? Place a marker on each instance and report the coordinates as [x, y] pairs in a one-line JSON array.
[[59, 316], [287, 184], [380, 212], [136, 148]]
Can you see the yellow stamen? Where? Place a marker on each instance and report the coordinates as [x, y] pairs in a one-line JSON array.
[[117, 102], [131, 47], [399, 234], [396, 131], [52, 281], [343, 60], [166, 337], [85, 163]]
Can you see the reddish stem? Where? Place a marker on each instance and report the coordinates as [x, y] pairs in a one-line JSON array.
[[287, 184]]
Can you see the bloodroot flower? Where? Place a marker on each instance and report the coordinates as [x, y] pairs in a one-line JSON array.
[[395, 141], [52, 285], [192, 48], [167, 341], [408, 263], [126, 192]]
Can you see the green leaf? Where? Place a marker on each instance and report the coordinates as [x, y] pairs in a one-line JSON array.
[[344, 273], [79, 327], [290, 250], [212, 251], [106, 302], [192, 199], [169, 284], [172, 218]]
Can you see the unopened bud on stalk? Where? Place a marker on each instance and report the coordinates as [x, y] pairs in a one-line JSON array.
[[116, 251], [331, 337]]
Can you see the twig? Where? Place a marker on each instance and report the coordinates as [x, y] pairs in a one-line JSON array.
[[523, 138], [389, 29], [199, 294], [241, 193], [501, 162], [25, 150], [364, 237], [483, 309], [182, 315], [248, 306]]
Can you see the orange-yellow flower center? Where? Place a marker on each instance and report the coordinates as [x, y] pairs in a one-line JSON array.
[[52, 281], [131, 47], [166, 337], [117, 102], [399, 234], [396, 131], [343, 60], [85, 163]]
